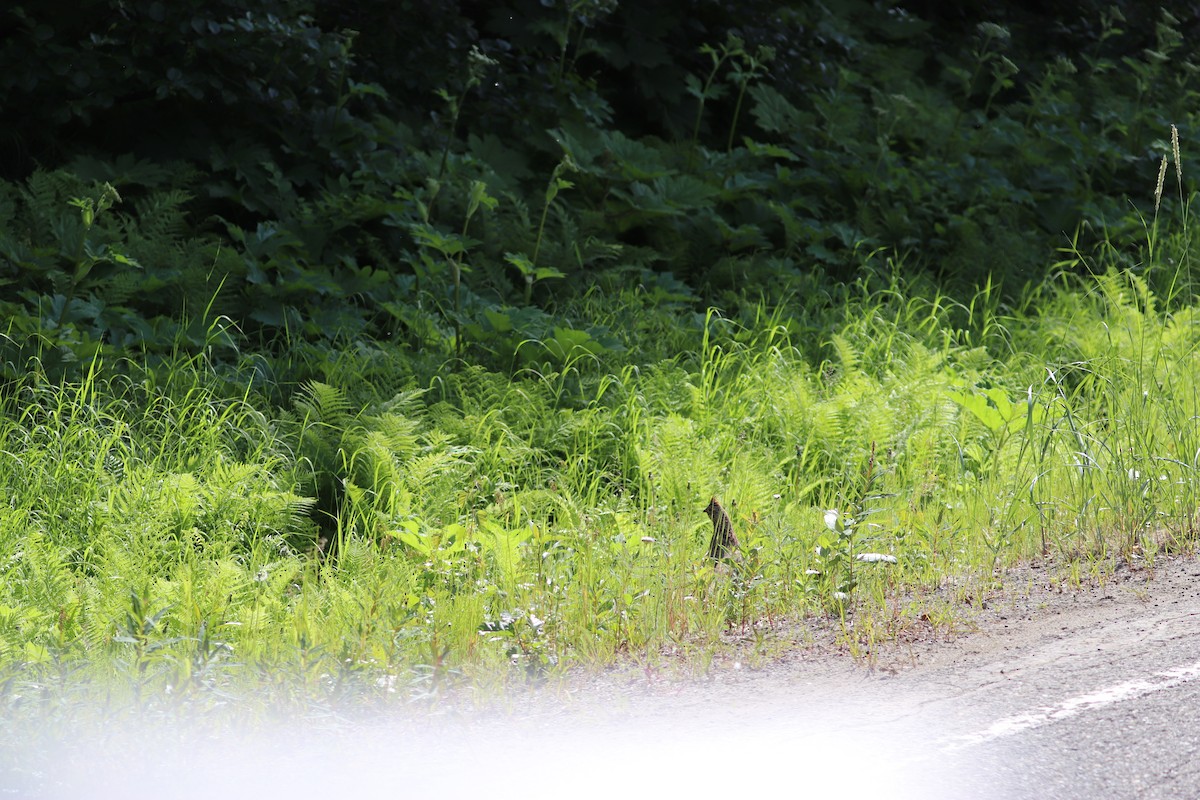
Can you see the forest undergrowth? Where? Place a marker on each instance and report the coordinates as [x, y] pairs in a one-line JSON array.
[[336, 371], [167, 534]]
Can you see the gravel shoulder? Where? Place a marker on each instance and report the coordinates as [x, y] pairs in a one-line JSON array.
[[1025, 617]]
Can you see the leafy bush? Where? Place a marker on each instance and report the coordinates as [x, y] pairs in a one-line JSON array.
[[289, 174]]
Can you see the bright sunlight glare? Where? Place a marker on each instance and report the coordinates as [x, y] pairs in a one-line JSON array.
[[619, 750]]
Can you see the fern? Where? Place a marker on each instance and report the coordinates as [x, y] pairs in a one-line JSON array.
[[323, 404], [160, 215], [848, 355], [46, 197]]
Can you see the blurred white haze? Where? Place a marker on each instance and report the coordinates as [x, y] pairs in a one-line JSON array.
[[677, 742]]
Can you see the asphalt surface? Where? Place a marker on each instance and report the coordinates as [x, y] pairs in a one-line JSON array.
[[1091, 693]]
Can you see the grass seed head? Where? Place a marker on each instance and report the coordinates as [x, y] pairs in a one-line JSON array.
[[1175, 155], [1158, 189]]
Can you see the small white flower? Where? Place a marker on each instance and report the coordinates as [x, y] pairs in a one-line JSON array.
[[831, 519], [1134, 474]]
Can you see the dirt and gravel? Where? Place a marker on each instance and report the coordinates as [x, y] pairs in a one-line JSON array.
[[987, 626]]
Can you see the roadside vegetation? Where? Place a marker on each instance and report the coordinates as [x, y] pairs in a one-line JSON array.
[[350, 401]]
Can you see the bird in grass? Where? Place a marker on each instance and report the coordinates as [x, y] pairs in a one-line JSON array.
[[724, 542]]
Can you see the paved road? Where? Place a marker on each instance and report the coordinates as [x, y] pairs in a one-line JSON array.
[[1100, 701], [1089, 695]]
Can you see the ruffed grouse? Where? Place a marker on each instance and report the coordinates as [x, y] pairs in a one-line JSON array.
[[724, 543]]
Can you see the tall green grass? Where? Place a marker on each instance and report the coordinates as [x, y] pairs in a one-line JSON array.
[[160, 528]]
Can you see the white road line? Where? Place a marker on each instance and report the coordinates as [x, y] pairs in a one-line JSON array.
[[1072, 706]]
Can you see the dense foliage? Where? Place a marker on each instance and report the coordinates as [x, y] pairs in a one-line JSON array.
[[447, 175], [356, 336]]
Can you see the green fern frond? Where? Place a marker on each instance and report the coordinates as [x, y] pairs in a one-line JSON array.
[[848, 356], [162, 215], [320, 402], [406, 404], [398, 434]]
